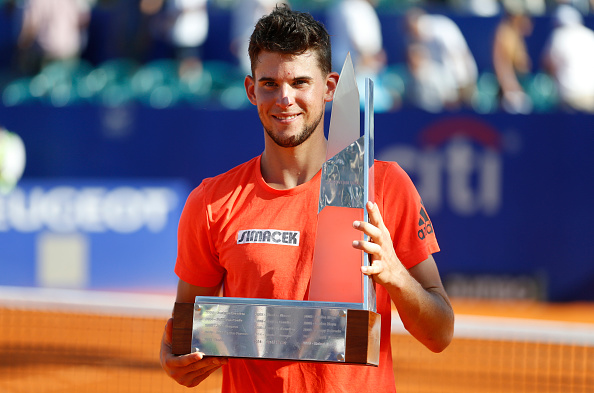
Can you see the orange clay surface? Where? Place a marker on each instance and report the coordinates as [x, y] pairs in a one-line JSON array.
[[43, 352]]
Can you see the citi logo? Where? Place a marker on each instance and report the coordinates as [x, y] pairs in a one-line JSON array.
[[270, 236], [425, 225], [458, 166]]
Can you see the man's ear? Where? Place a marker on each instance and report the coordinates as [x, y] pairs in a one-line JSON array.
[[250, 87], [331, 83]]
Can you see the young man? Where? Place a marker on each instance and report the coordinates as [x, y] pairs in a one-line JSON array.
[[291, 83]]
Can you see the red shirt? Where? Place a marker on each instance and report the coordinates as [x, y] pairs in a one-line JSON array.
[[260, 242]]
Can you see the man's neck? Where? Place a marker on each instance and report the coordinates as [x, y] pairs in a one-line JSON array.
[[284, 168]]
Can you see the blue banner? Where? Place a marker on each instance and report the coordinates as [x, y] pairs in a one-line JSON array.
[[509, 196], [91, 234]]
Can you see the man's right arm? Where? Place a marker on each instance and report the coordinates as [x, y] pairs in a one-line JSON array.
[[191, 369], [186, 293]]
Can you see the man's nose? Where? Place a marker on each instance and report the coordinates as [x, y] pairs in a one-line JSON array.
[[285, 97]]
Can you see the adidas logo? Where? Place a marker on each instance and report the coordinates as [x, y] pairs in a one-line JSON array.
[[425, 224], [270, 236]]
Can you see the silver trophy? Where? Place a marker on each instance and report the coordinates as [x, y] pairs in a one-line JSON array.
[[338, 323]]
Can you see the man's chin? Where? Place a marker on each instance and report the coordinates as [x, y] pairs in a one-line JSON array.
[[286, 139]]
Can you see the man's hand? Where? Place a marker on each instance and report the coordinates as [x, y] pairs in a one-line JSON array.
[[385, 266], [418, 293], [187, 370]]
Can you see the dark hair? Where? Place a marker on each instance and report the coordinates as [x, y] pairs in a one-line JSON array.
[[290, 32]]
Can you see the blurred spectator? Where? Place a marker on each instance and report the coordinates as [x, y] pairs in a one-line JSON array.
[[530, 7], [244, 17], [189, 29], [477, 7], [154, 22], [354, 27], [428, 87], [51, 31], [448, 49], [569, 58], [182, 24], [583, 6], [117, 29], [511, 60]]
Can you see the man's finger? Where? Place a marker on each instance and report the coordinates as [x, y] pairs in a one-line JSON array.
[[367, 228], [196, 378], [367, 246], [168, 333], [376, 268], [375, 216], [191, 359]]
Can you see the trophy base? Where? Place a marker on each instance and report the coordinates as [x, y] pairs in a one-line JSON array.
[[271, 329]]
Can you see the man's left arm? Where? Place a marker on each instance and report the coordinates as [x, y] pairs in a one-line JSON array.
[[418, 292]]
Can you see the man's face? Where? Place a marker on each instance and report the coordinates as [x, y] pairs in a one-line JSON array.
[[291, 94]]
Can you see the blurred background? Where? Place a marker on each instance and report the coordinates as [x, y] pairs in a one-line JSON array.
[[111, 111]]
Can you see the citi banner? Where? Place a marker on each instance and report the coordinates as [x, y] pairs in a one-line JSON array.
[[509, 198]]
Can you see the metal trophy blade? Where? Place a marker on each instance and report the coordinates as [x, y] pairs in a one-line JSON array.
[[338, 322], [347, 183]]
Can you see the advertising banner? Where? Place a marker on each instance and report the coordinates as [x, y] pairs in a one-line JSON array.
[[91, 234], [509, 196]]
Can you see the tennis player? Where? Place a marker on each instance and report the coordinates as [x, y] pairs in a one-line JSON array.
[[291, 83]]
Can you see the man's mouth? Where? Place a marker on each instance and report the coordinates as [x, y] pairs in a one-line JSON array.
[[285, 117]]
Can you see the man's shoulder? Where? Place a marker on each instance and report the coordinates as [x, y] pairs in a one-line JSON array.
[[388, 169], [233, 175], [226, 182], [389, 176]]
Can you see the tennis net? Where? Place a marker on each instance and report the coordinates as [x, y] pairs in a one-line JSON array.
[[80, 341]]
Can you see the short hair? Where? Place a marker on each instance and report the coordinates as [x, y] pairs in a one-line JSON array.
[[293, 33]]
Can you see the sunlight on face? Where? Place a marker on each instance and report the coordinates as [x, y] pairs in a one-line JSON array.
[[290, 93]]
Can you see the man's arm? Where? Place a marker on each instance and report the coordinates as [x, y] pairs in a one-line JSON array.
[[186, 293], [418, 293], [423, 305], [188, 370]]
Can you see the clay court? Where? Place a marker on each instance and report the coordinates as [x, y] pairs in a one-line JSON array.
[[525, 347]]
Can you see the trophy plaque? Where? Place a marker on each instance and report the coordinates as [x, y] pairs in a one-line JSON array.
[[338, 323]]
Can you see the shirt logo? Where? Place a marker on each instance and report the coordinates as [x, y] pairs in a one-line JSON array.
[[270, 236], [425, 227]]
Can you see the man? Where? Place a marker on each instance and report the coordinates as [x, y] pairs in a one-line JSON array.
[[568, 56], [447, 47], [291, 83], [355, 28], [511, 60], [52, 31]]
